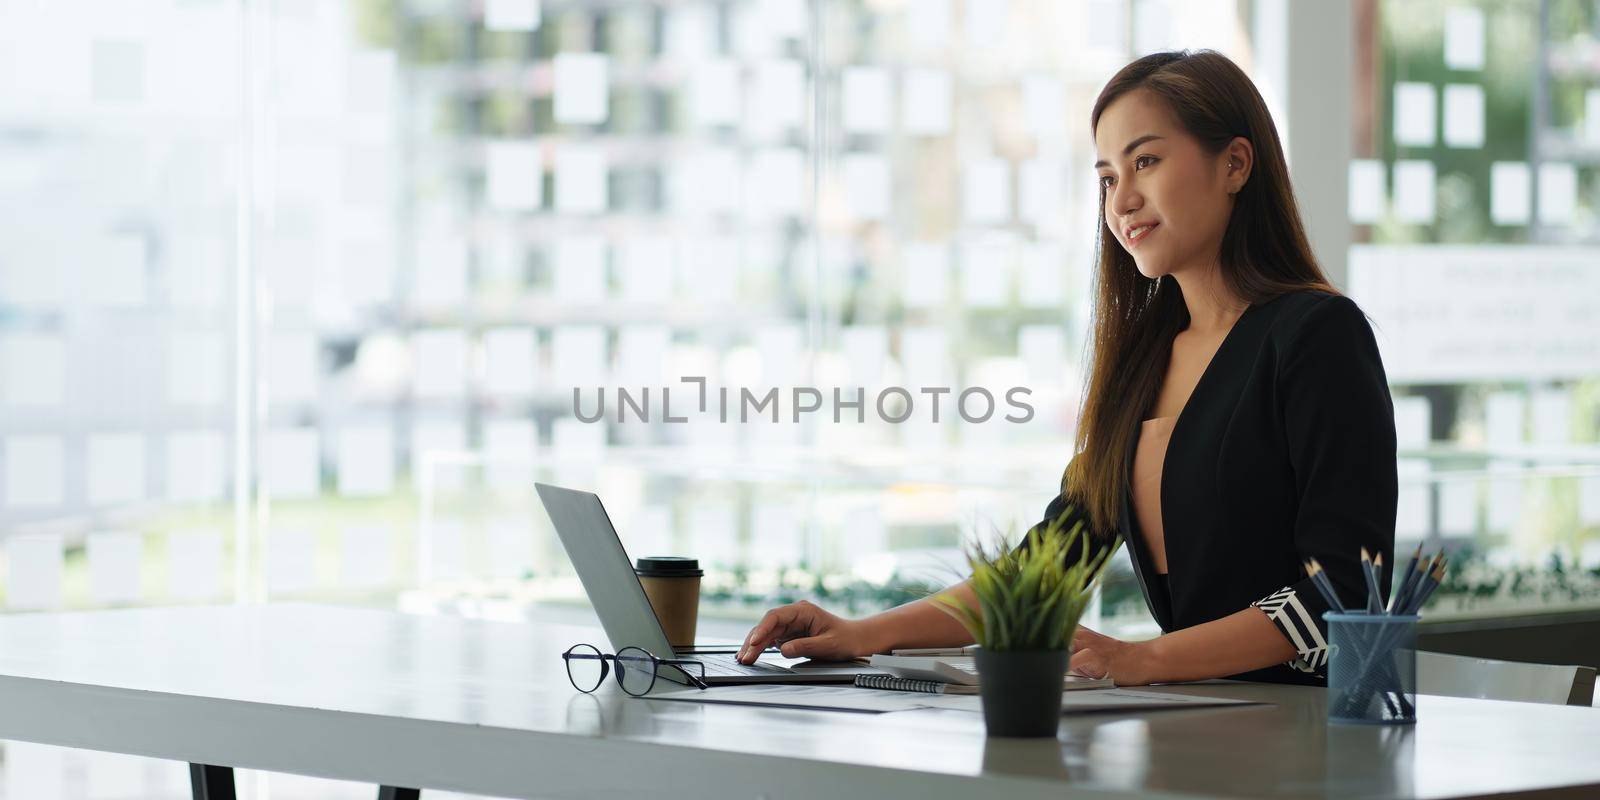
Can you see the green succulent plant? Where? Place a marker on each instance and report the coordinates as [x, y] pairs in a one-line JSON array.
[[1029, 598]]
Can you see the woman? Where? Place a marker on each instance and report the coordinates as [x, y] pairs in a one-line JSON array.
[[1236, 421]]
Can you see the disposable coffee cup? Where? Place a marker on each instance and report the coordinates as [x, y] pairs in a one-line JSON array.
[[673, 586]]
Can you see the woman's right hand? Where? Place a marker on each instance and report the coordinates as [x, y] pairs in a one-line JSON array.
[[803, 630]]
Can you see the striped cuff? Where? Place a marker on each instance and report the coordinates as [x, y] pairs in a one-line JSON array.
[[1294, 617]]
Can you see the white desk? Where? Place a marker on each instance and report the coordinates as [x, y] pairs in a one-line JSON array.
[[482, 707]]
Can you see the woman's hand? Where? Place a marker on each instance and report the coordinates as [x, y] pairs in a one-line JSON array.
[[802, 630], [1096, 655]]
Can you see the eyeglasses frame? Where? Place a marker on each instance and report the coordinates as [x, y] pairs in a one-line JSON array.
[[605, 667]]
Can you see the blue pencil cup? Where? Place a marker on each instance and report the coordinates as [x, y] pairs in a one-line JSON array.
[[1372, 668]]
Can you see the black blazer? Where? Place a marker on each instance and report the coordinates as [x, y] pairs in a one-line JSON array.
[[1285, 451]]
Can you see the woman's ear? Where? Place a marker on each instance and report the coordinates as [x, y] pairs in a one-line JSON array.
[[1241, 158]]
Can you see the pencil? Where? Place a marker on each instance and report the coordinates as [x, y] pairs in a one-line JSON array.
[[1374, 605], [1319, 579], [1395, 600], [1429, 584]]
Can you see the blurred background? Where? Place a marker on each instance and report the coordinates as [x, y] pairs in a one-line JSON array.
[[294, 294]]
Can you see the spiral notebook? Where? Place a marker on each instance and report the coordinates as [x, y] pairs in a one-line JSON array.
[[912, 685]]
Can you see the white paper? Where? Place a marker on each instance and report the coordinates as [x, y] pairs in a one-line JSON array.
[[1044, 106], [1412, 418], [867, 186], [196, 373], [1414, 114], [1552, 417], [196, 469], [987, 266], [1414, 191], [582, 88], [1367, 201], [1041, 191], [1084, 700], [581, 179], [116, 468], [441, 276], [510, 547], [1558, 193], [776, 98], [928, 23], [775, 183], [867, 100], [1043, 350], [986, 191], [440, 437], [1463, 115], [366, 460], [836, 698], [510, 445], [114, 563], [1510, 193], [1411, 513], [580, 269], [292, 370], [293, 464], [514, 175], [366, 555], [511, 15], [194, 565], [866, 350], [578, 359], [32, 369], [33, 574], [1458, 507], [926, 104], [925, 275], [439, 359], [117, 270], [1041, 275], [1503, 412], [646, 270], [1463, 37], [510, 362], [291, 561], [714, 93]]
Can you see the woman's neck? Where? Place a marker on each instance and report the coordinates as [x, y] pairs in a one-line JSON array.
[[1213, 308]]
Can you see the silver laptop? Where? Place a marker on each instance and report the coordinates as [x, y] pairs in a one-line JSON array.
[[607, 575]]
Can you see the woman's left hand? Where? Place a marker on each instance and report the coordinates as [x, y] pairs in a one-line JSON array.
[[1096, 655]]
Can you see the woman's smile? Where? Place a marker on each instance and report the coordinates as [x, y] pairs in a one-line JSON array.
[[1138, 233]]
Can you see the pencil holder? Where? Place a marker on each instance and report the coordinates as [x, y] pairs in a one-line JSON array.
[[1372, 668]]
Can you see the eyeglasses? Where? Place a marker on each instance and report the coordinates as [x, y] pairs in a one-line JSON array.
[[637, 669]]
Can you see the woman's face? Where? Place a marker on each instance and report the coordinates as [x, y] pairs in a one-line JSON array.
[[1167, 201]]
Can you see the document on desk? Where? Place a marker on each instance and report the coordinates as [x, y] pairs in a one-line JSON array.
[[824, 698], [1096, 700]]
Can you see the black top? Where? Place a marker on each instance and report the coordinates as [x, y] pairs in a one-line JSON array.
[[1284, 452]]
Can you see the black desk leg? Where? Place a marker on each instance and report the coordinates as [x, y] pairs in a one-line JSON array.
[[211, 783], [397, 793]]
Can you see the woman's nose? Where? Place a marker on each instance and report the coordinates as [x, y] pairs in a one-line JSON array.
[[1124, 200]]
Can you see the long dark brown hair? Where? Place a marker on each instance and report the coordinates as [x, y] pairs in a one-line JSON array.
[[1264, 254]]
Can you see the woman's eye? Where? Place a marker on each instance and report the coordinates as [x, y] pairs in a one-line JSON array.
[[1143, 161], [1105, 181]]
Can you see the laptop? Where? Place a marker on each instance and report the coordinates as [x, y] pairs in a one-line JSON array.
[[625, 613]]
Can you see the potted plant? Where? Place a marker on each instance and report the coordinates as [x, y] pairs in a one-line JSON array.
[[1029, 601]]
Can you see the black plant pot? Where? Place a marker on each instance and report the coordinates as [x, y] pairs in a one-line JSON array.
[[1021, 690]]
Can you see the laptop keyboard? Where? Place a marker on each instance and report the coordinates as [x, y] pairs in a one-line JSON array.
[[721, 664]]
